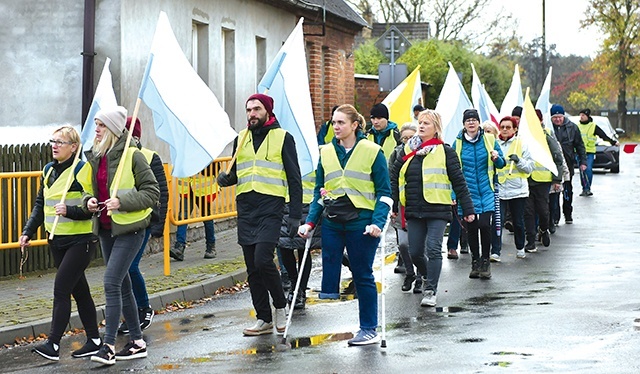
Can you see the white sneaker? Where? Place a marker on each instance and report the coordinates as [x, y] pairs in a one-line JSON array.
[[260, 328], [428, 298], [521, 254], [495, 257], [280, 320]]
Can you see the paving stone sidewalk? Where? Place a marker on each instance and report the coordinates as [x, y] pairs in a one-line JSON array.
[[26, 304]]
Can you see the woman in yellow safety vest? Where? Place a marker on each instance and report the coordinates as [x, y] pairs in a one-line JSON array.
[[423, 176], [514, 186], [73, 244], [123, 219], [353, 177]]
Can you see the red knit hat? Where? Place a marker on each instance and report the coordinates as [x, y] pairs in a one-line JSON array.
[[267, 101], [137, 128]]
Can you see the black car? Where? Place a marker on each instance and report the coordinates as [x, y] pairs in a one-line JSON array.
[[607, 155]]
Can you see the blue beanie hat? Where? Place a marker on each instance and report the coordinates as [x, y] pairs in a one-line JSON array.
[[557, 109]]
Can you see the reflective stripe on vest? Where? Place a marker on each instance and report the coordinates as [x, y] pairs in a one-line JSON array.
[[503, 174], [436, 186], [489, 144], [308, 184], [262, 172], [388, 145], [127, 185], [355, 179], [183, 185], [52, 196], [588, 132], [204, 186], [540, 173]]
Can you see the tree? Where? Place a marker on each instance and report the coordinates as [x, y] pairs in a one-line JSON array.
[[466, 21], [367, 58], [619, 20]]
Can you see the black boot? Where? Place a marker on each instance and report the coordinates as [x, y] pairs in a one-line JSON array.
[[475, 269], [485, 269], [177, 252], [301, 300], [408, 282]]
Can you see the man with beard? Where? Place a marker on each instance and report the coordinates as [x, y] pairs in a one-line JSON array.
[[266, 171]]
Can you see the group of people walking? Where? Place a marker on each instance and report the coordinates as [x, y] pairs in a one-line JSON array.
[[365, 180]]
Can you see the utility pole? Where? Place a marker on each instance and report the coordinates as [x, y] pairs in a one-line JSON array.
[[544, 43]]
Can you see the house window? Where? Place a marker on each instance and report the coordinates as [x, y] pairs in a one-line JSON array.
[[261, 58], [200, 49], [229, 72]]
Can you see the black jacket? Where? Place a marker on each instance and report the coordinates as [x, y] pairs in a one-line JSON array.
[[416, 205], [159, 214], [285, 242], [260, 215], [570, 139]]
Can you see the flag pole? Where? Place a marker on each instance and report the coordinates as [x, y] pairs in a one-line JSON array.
[[118, 176], [76, 158]]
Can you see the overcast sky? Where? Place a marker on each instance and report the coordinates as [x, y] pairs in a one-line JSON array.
[[562, 23]]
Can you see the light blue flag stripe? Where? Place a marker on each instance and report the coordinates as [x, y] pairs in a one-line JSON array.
[[170, 129]]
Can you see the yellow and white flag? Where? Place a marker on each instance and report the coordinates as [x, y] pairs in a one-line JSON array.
[[531, 132], [404, 97]]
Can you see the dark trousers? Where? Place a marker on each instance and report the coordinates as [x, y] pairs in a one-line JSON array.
[[567, 201], [289, 261], [264, 279], [537, 204], [70, 280], [554, 208], [479, 232], [516, 207]]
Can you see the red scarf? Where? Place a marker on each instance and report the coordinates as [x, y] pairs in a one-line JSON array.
[[432, 141]]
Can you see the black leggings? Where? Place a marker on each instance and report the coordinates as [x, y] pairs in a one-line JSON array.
[[70, 280], [483, 224]]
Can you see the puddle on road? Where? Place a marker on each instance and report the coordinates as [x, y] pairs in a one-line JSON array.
[[296, 343], [636, 324]]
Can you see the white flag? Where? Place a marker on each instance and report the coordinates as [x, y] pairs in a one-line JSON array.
[[513, 98], [104, 97], [452, 103]]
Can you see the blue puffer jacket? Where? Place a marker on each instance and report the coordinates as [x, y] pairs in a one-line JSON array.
[[474, 158]]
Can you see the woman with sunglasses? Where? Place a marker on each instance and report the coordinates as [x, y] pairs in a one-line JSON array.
[[73, 243], [122, 225]]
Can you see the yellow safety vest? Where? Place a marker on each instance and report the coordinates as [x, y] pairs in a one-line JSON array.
[[183, 185], [148, 154], [127, 185], [588, 132], [436, 186], [503, 174], [355, 179], [489, 143], [308, 184], [330, 134], [540, 173], [262, 172], [388, 145], [204, 185], [53, 195]]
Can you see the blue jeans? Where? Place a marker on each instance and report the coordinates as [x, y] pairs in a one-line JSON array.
[[586, 177], [516, 206], [118, 253], [425, 246], [181, 231], [137, 280], [361, 250]]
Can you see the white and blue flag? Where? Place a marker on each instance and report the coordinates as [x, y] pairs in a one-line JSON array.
[[186, 114], [287, 82], [104, 97]]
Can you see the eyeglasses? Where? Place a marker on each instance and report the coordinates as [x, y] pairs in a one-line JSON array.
[[471, 120], [506, 127], [405, 138], [58, 143]]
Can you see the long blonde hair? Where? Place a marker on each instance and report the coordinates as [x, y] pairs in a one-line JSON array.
[[103, 147]]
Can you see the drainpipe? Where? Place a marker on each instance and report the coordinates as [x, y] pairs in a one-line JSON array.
[[88, 53]]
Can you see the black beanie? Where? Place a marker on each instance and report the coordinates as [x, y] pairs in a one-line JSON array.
[[586, 112], [380, 111], [470, 113], [517, 111]]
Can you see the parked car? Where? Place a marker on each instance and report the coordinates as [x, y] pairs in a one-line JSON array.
[[607, 155]]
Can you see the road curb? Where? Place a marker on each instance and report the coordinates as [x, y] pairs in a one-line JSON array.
[[196, 291]]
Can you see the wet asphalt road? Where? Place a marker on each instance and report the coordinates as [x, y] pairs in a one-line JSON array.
[[569, 309]]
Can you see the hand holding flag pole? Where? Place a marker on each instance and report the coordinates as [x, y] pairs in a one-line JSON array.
[[118, 176], [76, 158]]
